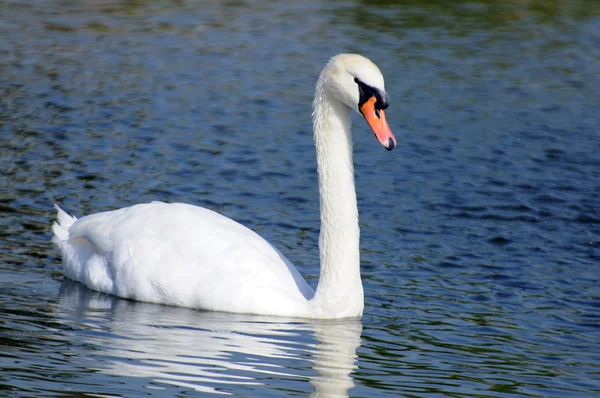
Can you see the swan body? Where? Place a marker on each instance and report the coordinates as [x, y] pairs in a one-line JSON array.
[[185, 255]]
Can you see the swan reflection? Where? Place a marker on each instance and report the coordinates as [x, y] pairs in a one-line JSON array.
[[209, 351]]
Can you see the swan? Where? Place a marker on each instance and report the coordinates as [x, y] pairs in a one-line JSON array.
[[184, 255]]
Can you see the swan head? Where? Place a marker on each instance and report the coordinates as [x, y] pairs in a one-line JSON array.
[[357, 82]]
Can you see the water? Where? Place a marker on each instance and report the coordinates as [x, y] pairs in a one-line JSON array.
[[480, 231]]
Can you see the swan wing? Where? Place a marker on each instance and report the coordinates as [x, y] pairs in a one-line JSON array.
[[183, 255]]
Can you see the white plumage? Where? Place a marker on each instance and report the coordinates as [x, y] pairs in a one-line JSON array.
[[184, 255], [181, 255]]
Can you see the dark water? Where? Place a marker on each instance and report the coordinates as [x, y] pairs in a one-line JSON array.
[[480, 232]]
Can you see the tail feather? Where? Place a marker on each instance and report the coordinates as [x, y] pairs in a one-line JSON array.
[[61, 226]]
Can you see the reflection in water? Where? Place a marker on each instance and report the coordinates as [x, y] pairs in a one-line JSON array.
[[206, 351], [482, 274]]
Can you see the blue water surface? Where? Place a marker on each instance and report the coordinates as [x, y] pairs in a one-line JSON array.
[[480, 232]]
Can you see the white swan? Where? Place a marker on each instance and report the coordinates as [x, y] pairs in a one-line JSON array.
[[184, 255]]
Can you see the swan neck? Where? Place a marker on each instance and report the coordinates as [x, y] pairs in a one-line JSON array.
[[339, 292]]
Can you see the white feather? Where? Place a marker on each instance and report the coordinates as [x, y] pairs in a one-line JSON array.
[[184, 255]]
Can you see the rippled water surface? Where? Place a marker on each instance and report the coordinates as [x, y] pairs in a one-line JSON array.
[[480, 231]]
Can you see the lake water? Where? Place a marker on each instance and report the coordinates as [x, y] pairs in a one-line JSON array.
[[480, 232]]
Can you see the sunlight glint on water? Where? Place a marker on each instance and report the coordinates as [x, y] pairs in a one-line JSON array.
[[480, 246]]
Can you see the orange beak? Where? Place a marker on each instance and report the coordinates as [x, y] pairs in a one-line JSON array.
[[376, 119]]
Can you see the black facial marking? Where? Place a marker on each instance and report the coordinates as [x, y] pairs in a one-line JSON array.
[[365, 92]]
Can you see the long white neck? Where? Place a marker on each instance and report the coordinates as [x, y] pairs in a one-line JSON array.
[[340, 291]]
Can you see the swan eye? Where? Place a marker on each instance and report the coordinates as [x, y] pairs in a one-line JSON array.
[[365, 92]]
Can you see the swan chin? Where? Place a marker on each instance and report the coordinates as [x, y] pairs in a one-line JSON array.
[[185, 255]]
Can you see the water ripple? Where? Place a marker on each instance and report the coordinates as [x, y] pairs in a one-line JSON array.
[[480, 248]]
